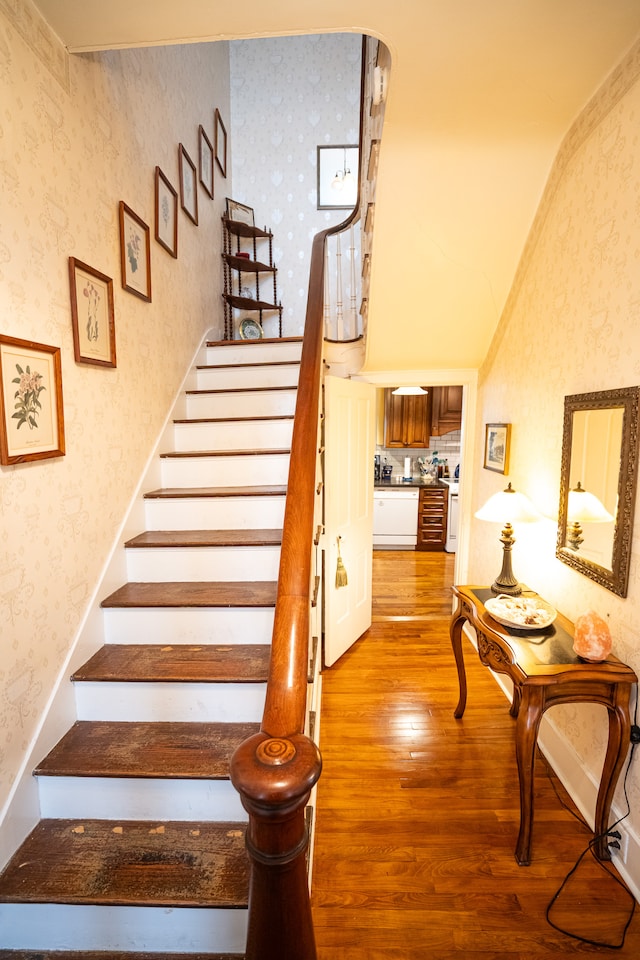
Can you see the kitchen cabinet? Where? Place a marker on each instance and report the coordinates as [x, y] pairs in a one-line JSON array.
[[446, 409], [432, 518], [407, 420]]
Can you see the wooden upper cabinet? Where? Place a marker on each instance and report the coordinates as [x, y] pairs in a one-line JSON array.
[[446, 410], [407, 420]]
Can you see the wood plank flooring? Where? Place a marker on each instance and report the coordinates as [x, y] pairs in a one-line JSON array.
[[418, 813]]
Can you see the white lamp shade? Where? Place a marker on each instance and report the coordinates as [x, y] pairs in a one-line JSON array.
[[584, 507], [508, 506]]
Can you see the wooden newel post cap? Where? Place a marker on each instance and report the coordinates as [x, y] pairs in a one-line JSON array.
[[275, 772]]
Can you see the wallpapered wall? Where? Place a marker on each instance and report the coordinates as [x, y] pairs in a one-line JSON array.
[[572, 325], [77, 135], [288, 96]]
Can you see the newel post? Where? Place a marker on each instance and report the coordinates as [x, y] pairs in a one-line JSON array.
[[274, 777]]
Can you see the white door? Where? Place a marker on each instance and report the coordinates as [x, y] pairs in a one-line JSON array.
[[349, 436]]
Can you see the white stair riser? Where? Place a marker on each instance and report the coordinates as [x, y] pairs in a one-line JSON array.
[[217, 378], [170, 702], [113, 798], [233, 435], [153, 929], [189, 625], [182, 564], [215, 513], [232, 471], [252, 403], [253, 353]]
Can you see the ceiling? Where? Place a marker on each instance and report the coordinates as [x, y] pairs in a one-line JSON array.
[[481, 95]]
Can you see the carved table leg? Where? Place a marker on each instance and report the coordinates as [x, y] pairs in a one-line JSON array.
[[527, 723], [455, 632], [617, 747]]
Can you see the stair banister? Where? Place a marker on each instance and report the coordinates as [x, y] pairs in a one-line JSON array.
[[275, 770]]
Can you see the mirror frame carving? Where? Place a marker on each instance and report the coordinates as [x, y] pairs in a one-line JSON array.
[[616, 579]]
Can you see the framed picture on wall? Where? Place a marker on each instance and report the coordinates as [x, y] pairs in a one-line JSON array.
[[135, 253], [220, 142], [205, 158], [497, 440], [188, 185], [166, 214], [31, 417], [92, 315]]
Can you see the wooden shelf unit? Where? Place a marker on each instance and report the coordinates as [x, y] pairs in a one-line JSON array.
[[234, 233]]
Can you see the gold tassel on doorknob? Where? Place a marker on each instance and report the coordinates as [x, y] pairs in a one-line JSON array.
[[341, 573]]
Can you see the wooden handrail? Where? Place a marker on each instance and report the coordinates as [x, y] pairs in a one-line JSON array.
[[275, 770]]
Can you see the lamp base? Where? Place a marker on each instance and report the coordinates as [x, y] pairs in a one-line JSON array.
[[511, 589], [505, 582]]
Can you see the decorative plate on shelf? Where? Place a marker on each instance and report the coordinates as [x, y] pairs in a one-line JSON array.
[[250, 329], [523, 613]]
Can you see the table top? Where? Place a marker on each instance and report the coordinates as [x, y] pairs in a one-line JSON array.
[[542, 653]]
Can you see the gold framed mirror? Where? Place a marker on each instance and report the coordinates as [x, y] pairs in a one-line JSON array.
[[598, 485]]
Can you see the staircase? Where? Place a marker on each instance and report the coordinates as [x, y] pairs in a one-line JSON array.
[[140, 849]]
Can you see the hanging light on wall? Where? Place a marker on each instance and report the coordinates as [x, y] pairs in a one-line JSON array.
[[409, 391]]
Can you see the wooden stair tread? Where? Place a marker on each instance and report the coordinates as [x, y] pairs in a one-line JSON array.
[[206, 538], [129, 863], [265, 490], [250, 343], [111, 955], [183, 663], [227, 593], [276, 416], [204, 393], [177, 454], [253, 364], [150, 749]]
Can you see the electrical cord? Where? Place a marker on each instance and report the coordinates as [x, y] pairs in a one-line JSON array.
[[602, 864]]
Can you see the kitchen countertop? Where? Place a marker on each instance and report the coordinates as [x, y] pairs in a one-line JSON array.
[[398, 483]]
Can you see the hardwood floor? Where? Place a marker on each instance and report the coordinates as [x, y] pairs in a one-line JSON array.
[[418, 813]]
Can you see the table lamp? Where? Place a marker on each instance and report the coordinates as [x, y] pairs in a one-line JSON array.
[[583, 507], [506, 507]]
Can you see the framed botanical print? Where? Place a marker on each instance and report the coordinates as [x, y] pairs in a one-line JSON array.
[[135, 253], [188, 185], [166, 214], [205, 161], [92, 315], [31, 416], [220, 142]]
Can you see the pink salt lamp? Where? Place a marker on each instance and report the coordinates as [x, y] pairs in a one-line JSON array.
[[592, 637]]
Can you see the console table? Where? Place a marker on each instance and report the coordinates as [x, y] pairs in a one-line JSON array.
[[545, 671]]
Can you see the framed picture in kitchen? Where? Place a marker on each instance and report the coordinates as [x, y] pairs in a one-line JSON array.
[[497, 440]]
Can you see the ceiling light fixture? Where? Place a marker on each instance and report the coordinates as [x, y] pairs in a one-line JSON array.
[[343, 178], [409, 391]]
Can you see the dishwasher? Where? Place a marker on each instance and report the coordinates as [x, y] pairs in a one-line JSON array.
[[395, 517]]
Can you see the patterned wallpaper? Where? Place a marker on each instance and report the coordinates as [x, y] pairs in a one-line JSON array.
[[572, 325], [288, 96], [77, 135]]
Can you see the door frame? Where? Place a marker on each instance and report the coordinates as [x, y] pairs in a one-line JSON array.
[[445, 378]]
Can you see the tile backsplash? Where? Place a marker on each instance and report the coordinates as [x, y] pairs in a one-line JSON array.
[[447, 448]]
